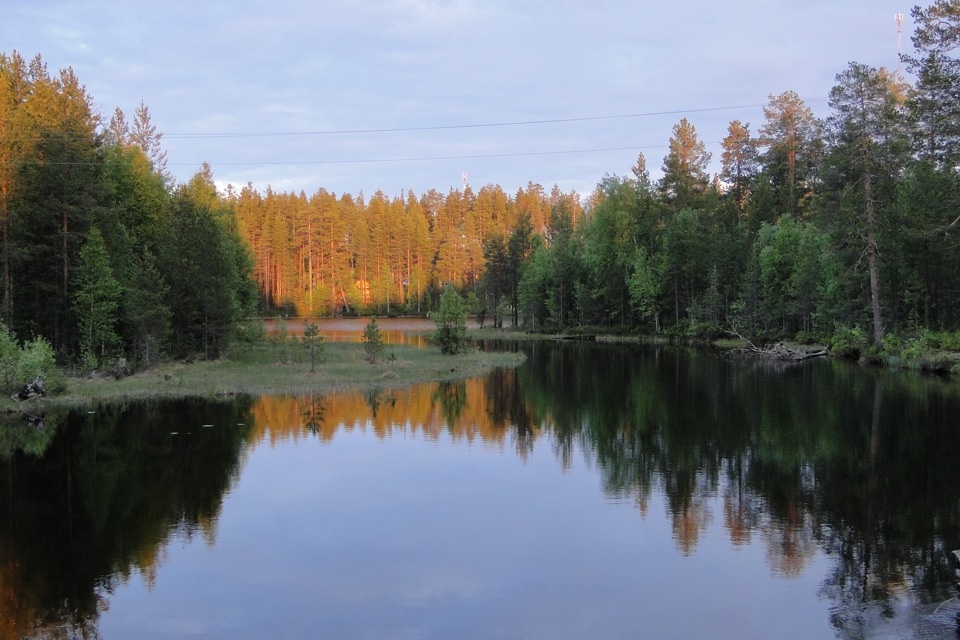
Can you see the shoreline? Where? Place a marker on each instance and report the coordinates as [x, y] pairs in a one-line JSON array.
[[278, 369]]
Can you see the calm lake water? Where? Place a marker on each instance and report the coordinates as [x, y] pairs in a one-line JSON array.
[[598, 491]]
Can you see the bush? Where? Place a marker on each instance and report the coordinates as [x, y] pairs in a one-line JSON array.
[[20, 365], [37, 359], [250, 332], [805, 337], [848, 342], [944, 340]]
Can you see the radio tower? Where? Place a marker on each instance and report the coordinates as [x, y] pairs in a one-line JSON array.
[[899, 20], [464, 177]]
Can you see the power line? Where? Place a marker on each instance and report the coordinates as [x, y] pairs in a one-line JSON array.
[[518, 154], [484, 125], [481, 156], [433, 128]]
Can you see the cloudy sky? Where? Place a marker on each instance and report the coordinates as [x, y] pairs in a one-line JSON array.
[[354, 95]]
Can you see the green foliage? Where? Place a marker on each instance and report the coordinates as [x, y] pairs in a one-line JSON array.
[[20, 365], [96, 299], [451, 321], [496, 275], [147, 316], [314, 342], [644, 285], [926, 351], [849, 342], [207, 270], [531, 292], [250, 332], [946, 340], [98, 255], [708, 310], [685, 260], [372, 341], [9, 360], [620, 234]]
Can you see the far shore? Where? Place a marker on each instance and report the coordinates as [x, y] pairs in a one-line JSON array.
[[280, 368]]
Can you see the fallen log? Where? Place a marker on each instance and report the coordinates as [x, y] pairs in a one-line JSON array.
[[813, 354], [779, 351]]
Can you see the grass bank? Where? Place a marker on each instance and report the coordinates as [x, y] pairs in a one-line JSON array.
[[284, 368]]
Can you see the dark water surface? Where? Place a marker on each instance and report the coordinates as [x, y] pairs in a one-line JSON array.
[[598, 491]]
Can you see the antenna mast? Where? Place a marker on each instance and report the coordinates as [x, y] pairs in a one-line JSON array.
[[899, 20]]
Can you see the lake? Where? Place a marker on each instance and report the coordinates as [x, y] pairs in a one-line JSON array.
[[597, 491]]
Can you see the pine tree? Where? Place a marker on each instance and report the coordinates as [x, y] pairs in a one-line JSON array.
[[868, 153], [793, 142], [685, 180]]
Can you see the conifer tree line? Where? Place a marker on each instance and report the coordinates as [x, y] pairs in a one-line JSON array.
[[327, 254], [101, 254], [811, 226]]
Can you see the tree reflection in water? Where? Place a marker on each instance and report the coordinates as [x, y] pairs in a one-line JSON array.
[[820, 456], [103, 501]]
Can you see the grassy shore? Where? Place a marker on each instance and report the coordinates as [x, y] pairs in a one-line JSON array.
[[284, 368]]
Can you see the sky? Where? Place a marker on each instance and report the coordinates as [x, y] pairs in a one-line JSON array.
[[394, 95]]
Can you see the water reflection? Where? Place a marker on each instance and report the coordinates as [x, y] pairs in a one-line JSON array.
[[407, 331], [111, 490], [798, 461]]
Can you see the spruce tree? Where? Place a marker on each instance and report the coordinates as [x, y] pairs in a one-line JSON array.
[[96, 299]]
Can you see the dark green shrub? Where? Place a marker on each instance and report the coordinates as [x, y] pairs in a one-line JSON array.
[[372, 341]]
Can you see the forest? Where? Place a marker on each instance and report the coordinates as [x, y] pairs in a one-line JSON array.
[[841, 229], [101, 255]]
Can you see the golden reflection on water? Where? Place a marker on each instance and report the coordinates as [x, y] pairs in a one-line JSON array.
[[458, 408], [466, 411], [400, 331]]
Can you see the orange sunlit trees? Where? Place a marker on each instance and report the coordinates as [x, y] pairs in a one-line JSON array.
[[13, 93], [793, 140], [685, 180]]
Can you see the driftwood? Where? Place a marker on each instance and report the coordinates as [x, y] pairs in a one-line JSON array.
[[31, 390], [779, 351]]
